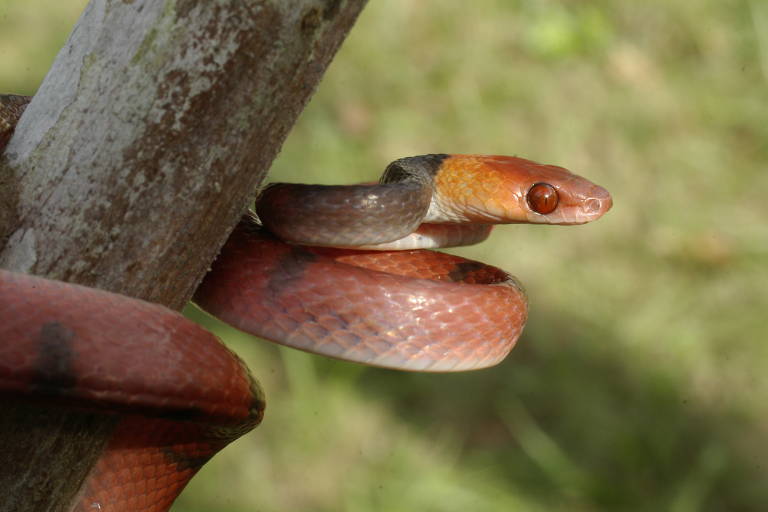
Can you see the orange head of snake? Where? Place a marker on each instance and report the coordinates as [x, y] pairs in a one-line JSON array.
[[507, 189]]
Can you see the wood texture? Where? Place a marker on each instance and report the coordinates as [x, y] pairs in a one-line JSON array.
[[151, 132]]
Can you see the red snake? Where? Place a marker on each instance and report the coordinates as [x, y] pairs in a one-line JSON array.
[[288, 274]]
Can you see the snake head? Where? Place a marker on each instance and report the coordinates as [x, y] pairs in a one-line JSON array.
[[508, 190]]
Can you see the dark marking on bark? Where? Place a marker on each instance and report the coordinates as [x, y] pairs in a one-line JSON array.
[[11, 108], [314, 16], [55, 372], [310, 21], [331, 9], [9, 202]]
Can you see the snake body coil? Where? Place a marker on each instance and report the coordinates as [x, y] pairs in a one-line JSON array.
[[414, 310], [337, 270]]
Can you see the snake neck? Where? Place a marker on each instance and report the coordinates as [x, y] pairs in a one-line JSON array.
[[421, 169]]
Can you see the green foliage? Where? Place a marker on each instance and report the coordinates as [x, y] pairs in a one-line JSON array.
[[637, 383]]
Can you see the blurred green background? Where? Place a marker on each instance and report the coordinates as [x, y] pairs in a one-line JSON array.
[[639, 382]]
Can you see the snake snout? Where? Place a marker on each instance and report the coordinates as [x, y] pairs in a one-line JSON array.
[[597, 203]]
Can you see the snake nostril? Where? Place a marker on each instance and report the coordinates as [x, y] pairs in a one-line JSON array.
[[592, 206], [599, 202]]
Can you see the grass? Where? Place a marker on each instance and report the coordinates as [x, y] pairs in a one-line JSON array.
[[639, 381]]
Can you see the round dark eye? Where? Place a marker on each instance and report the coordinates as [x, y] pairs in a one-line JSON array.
[[542, 198]]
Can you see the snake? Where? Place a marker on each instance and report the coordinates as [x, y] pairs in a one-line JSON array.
[[345, 271]]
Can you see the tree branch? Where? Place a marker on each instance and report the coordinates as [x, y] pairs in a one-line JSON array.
[[152, 131], [138, 154]]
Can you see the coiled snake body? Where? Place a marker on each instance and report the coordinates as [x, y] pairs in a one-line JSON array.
[[289, 274]]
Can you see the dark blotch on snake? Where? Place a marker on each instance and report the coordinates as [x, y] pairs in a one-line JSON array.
[[463, 270], [290, 269], [183, 461], [54, 373]]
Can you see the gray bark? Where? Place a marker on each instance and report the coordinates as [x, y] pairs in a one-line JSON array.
[[152, 131], [143, 146]]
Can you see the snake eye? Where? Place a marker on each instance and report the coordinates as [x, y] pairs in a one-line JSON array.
[[542, 198]]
